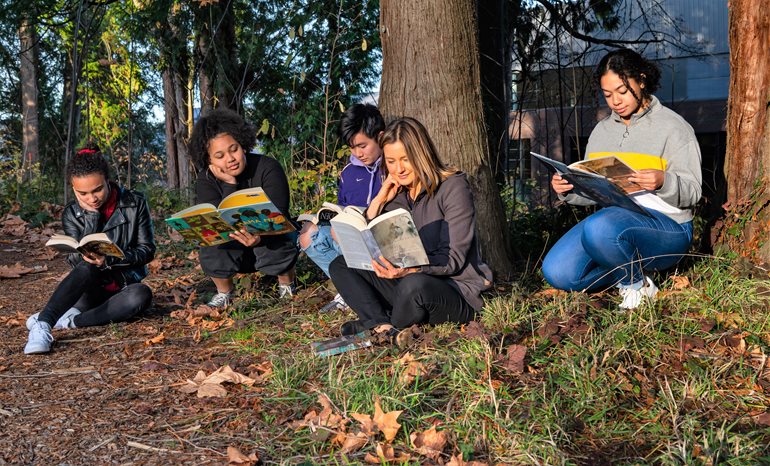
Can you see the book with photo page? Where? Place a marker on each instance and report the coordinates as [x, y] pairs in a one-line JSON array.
[[392, 235], [95, 243], [209, 225]]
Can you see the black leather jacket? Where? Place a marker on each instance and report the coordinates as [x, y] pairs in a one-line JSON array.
[[130, 227]]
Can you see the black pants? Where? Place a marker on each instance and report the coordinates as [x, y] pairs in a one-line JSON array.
[[274, 255], [82, 289], [415, 299]]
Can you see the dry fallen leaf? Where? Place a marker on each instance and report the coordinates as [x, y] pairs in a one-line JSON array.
[[17, 270], [680, 282], [386, 422], [155, 340], [412, 368], [235, 457], [458, 461], [429, 443], [513, 361], [385, 454], [211, 385], [367, 425], [354, 442]]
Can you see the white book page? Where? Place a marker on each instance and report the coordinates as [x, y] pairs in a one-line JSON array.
[[353, 242], [652, 201]]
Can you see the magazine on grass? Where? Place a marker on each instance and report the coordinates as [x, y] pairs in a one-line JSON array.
[[392, 235], [209, 225]]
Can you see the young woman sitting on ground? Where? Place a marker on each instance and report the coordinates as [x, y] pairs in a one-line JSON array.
[[616, 246], [220, 146], [439, 198], [100, 289]]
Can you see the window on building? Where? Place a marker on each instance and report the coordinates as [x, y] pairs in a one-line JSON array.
[[518, 164]]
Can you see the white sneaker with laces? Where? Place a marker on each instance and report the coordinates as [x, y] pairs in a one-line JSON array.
[[65, 321], [636, 293], [336, 303], [40, 339], [286, 290], [220, 300]]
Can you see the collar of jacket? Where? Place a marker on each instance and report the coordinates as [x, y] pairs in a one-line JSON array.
[[126, 199], [354, 161], [654, 102]]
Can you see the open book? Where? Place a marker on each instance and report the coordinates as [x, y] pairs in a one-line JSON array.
[[341, 344], [392, 235], [604, 180], [327, 212], [95, 243], [209, 225]]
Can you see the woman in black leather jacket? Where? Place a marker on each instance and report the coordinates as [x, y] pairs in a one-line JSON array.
[[99, 289]]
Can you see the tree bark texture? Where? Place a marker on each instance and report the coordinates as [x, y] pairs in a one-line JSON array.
[[430, 71], [29, 97], [748, 131]]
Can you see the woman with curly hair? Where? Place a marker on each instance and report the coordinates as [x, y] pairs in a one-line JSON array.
[[616, 246], [100, 289], [220, 146]]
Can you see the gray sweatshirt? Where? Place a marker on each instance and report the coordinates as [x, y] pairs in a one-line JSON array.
[[446, 223], [658, 138]]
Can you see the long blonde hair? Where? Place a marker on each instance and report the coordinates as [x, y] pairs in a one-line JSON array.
[[420, 151]]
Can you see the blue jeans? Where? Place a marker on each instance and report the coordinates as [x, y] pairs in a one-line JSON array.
[[323, 249], [613, 246]]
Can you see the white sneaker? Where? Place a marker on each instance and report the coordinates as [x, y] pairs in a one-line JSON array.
[[636, 293], [286, 290], [336, 303], [65, 321], [40, 339], [220, 300]]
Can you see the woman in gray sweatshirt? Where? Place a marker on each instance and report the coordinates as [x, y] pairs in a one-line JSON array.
[[439, 198], [616, 246]]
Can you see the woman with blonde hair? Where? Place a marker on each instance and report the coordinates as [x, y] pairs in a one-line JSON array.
[[439, 198]]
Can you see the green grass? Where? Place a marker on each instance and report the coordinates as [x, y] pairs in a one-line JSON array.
[[620, 390]]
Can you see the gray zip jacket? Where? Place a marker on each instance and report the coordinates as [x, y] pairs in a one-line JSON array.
[[657, 137], [446, 222]]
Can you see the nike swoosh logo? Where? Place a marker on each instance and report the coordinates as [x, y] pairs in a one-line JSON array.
[[359, 179]]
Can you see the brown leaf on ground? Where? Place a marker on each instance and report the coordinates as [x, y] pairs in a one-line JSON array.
[[235, 457], [191, 299], [386, 422], [45, 254], [429, 443], [763, 419], [458, 461], [473, 330], [729, 319], [513, 361], [17, 270], [386, 454], [155, 340], [411, 368], [211, 385], [549, 293], [707, 325], [680, 282], [688, 343], [261, 372], [18, 319], [367, 424], [354, 442], [13, 225]]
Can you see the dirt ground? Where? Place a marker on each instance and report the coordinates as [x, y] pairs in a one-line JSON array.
[[110, 395]]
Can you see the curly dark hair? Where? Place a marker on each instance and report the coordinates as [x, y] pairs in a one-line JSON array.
[[360, 118], [216, 123], [86, 161], [630, 65]]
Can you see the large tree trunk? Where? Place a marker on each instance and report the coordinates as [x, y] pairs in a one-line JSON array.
[[430, 71], [219, 77], [748, 131], [28, 78]]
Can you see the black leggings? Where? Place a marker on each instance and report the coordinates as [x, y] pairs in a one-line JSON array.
[[82, 289], [414, 299]]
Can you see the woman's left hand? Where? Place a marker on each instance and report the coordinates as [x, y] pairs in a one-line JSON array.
[[649, 179], [385, 269], [245, 238]]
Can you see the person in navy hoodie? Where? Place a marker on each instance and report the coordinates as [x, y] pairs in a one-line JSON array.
[[359, 182]]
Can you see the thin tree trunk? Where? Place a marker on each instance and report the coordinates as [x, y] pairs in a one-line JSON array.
[[169, 107], [29, 94], [430, 71], [748, 129]]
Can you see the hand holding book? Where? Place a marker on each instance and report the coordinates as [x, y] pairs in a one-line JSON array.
[[649, 179]]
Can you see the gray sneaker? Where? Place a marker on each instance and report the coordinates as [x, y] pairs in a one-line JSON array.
[[336, 303], [220, 300], [40, 339], [65, 321], [286, 291]]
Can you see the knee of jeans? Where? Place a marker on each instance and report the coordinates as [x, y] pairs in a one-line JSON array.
[[139, 296], [556, 274], [307, 235], [599, 234]]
